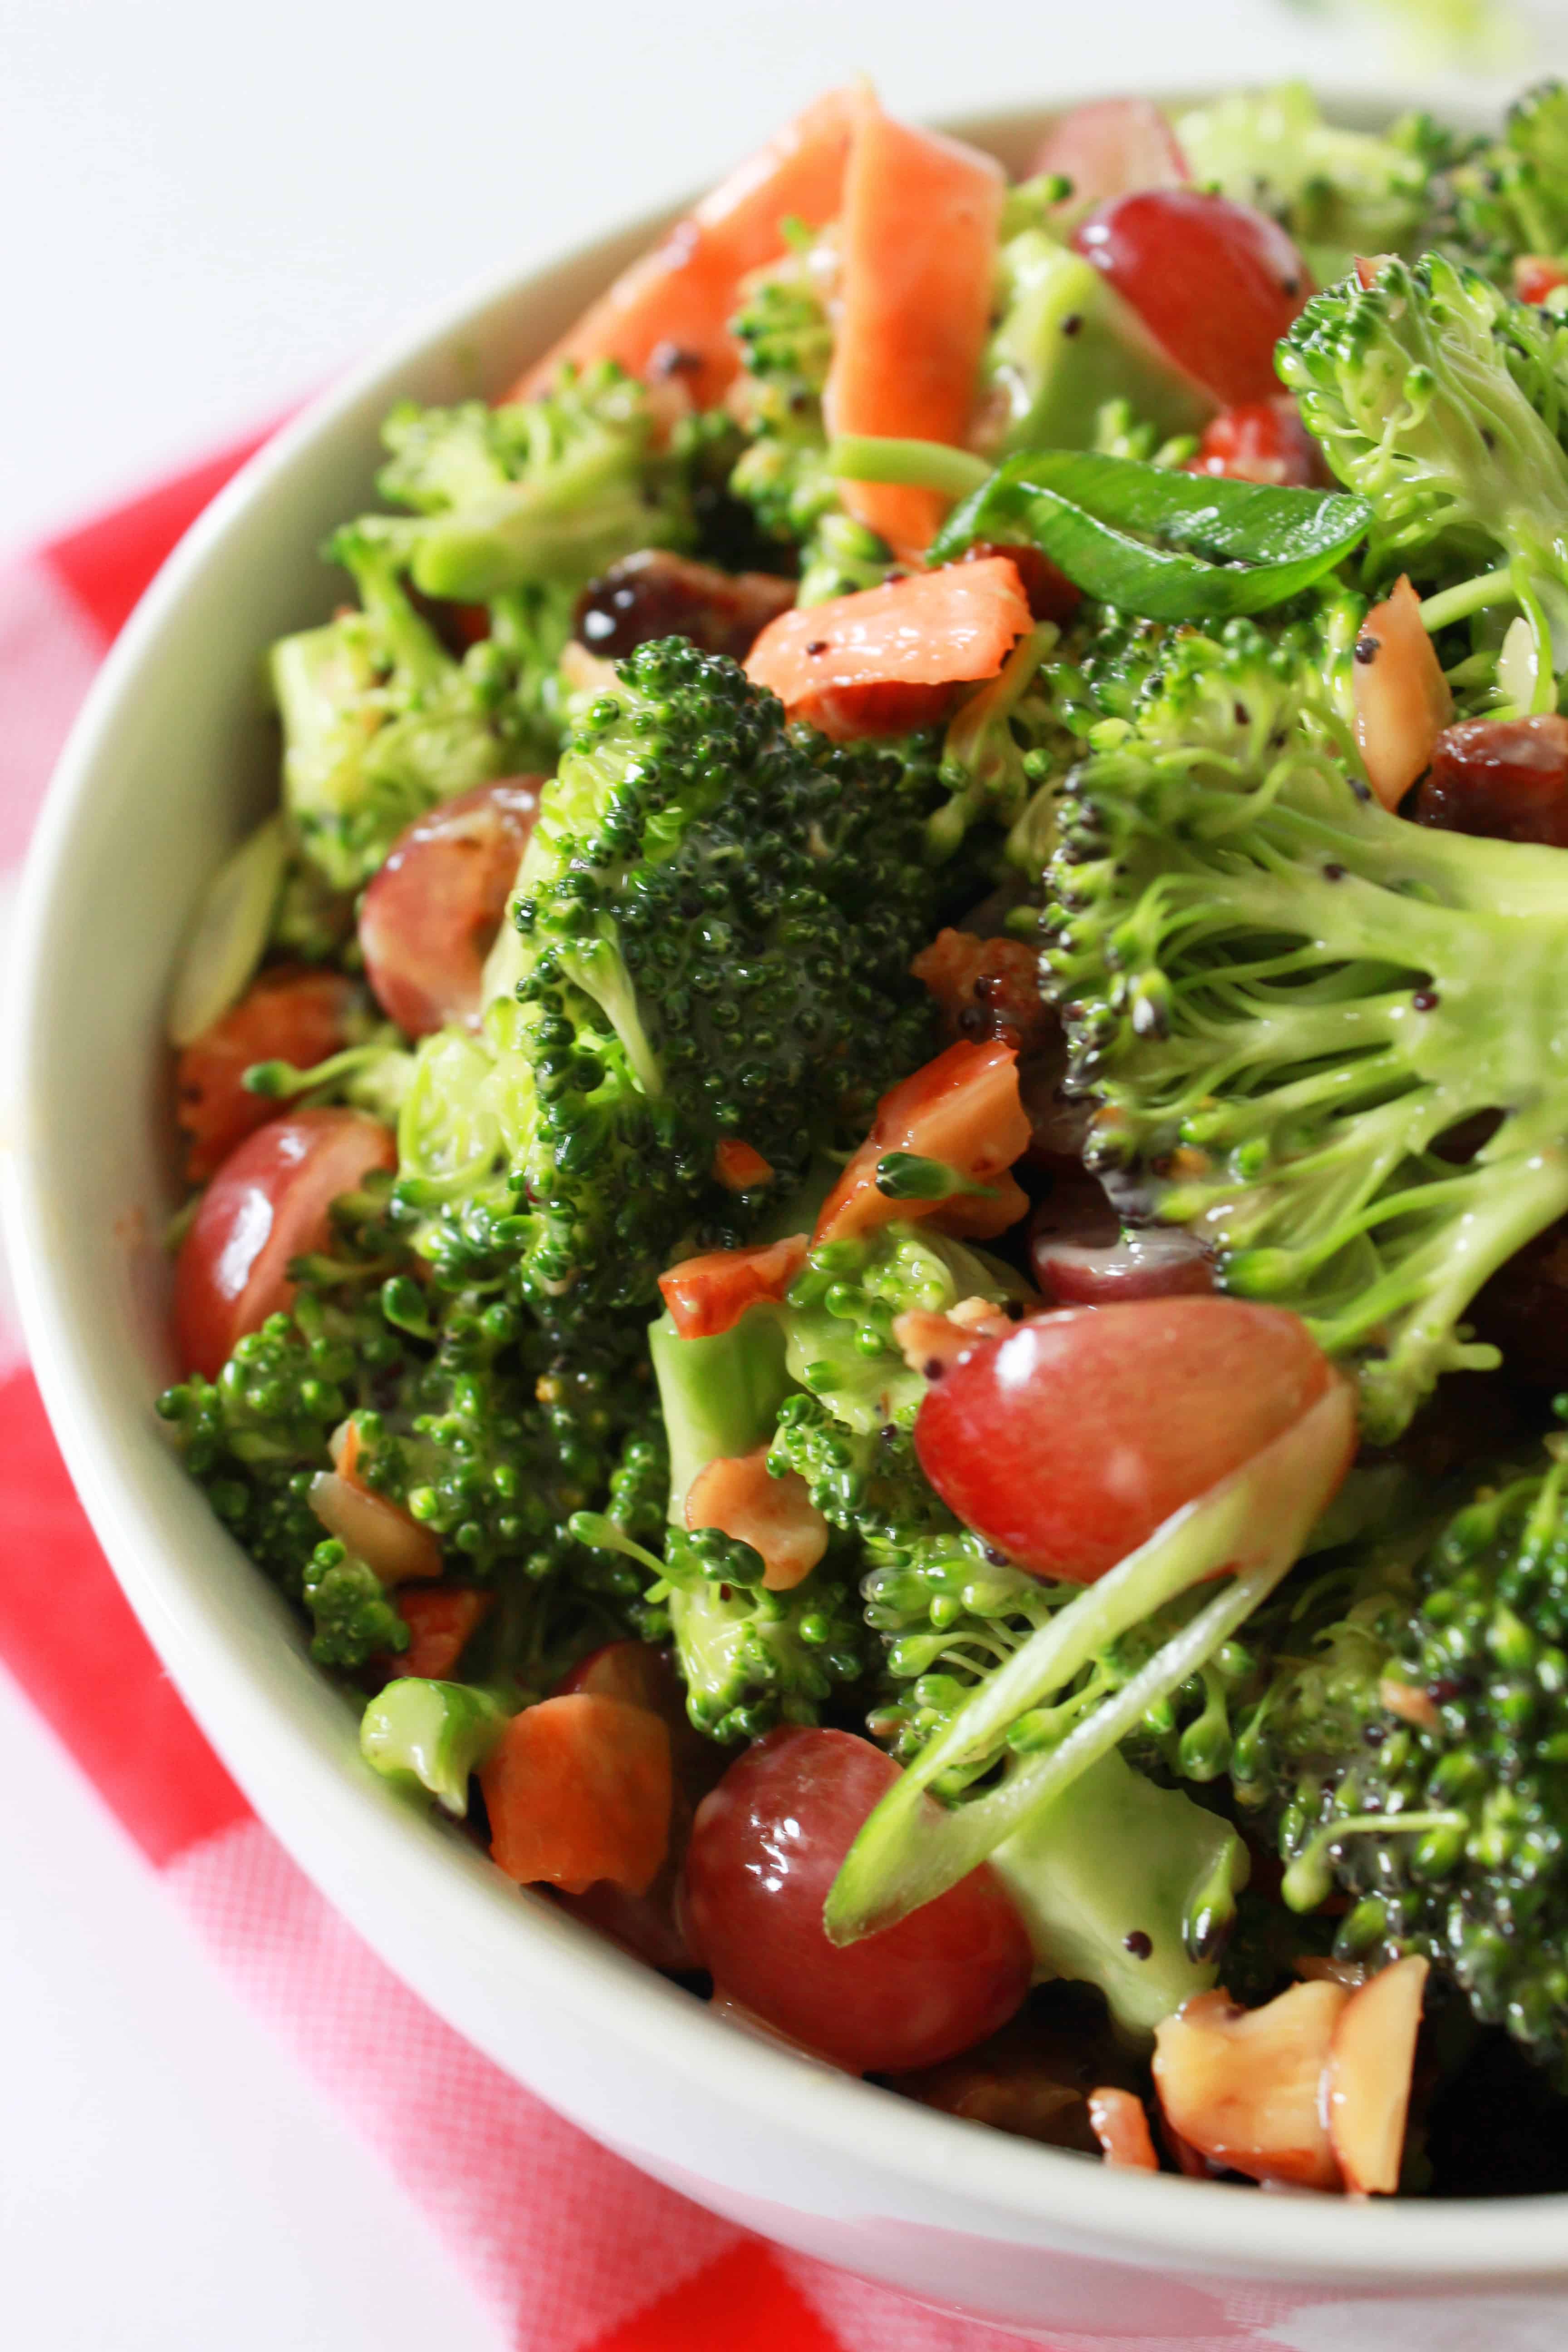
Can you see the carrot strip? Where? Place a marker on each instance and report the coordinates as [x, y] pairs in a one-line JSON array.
[[921, 216]]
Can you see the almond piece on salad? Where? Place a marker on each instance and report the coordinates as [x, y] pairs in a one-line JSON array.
[[1244, 2086], [1402, 697], [1368, 2081], [1120, 2124], [738, 1494]]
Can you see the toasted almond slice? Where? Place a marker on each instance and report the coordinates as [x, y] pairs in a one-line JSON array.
[[1119, 2123], [1243, 2085], [738, 1494], [395, 1546], [1402, 698], [1368, 2081]]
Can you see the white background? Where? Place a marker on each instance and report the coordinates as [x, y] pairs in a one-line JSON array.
[[207, 212]]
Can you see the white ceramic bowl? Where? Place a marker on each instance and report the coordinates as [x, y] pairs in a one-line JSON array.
[[172, 759]]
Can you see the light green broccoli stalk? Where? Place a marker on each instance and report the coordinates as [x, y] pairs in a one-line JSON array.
[[428, 1737], [750, 1658]]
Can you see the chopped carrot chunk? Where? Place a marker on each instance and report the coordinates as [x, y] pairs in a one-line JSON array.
[[739, 1168], [707, 1295], [962, 1110], [1402, 697], [580, 1789], [929, 633]]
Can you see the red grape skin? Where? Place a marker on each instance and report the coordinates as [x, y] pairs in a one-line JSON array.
[[766, 1848]]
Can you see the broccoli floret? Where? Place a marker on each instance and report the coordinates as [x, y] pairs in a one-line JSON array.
[[379, 721], [840, 1310], [354, 1616], [1284, 999], [1445, 404], [713, 932], [783, 475], [1490, 201], [547, 492], [1339, 193], [1414, 1745], [748, 1658]]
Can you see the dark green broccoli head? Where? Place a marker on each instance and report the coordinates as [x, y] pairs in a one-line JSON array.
[[713, 927], [1286, 1000], [1421, 1742]]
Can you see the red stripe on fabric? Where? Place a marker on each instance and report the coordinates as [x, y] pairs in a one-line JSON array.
[[108, 564], [742, 2303], [67, 1634]]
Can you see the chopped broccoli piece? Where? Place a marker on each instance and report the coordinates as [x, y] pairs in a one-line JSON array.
[[711, 939], [538, 493], [430, 1737], [1339, 193], [1411, 1742], [1284, 998], [1445, 405], [379, 721], [786, 332], [841, 1307], [1492, 201], [1064, 346], [354, 1616], [1129, 1887], [750, 1658]]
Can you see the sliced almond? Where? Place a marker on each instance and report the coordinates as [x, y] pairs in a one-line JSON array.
[[395, 1546], [1368, 2081], [1402, 698], [738, 1494], [1121, 2127], [1244, 2086]]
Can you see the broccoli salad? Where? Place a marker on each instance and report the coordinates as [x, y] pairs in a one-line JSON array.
[[878, 1147]]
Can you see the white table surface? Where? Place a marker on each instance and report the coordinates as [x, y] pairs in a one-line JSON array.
[[208, 211]]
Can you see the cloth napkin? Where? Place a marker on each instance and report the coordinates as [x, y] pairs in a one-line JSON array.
[[573, 2250]]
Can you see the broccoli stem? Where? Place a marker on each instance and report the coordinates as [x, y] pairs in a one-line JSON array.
[[907, 1853], [1475, 595], [917, 465]]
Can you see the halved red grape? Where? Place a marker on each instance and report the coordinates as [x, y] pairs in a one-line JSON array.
[[1217, 283], [765, 1849], [1068, 1440]]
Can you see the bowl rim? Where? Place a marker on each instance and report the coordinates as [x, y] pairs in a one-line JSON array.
[[1152, 2222]]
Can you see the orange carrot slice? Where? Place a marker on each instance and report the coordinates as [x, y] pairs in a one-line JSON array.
[[847, 665], [578, 1789], [669, 314], [920, 219], [707, 1295], [440, 1618], [740, 1168], [964, 1109]]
